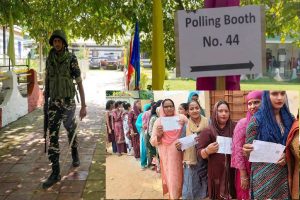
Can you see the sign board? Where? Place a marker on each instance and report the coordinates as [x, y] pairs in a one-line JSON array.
[[220, 41]]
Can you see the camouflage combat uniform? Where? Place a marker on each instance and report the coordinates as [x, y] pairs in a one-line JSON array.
[[61, 71], [62, 110]]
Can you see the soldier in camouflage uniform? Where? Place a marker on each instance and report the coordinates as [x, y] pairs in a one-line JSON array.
[[61, 71]]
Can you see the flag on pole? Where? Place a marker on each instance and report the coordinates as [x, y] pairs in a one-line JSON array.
[[158, 52], [11, 41], [130, 69], [135, 58]]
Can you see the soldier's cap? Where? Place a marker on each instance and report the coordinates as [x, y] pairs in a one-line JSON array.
[[58, 34]]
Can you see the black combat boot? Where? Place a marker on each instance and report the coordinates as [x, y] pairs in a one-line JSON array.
[[54, 177], [75, 157]]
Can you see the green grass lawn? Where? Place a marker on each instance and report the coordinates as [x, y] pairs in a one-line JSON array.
[[270, 84], [260, 84], [266, 86], [180, 85]]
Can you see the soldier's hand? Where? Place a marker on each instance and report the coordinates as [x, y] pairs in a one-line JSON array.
[[82, 113]]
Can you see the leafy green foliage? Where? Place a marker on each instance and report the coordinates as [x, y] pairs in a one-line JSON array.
[[282, 18], [146, 94], [143, 81], [113, 20]]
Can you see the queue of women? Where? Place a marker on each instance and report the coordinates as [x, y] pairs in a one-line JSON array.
[[200, 171]]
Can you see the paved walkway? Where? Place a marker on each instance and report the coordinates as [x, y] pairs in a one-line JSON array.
[[24, 165], [129, 181]]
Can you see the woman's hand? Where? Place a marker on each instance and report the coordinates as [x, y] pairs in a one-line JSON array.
[[212, 148], [178, 146], [244, 183], [132, 133], [282, 160], [247, 148], [160, 131]]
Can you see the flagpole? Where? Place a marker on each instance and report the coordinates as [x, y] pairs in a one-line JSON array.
[[135, 59], [127, 78]]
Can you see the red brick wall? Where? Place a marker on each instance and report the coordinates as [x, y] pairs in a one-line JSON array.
[[236, 100]]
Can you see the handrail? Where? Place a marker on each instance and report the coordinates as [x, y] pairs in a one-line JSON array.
[[10, 67]]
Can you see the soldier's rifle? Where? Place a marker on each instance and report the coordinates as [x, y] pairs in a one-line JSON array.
[[46, 118]]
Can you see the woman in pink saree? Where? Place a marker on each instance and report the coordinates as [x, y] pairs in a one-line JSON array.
[[170, 157], [238, 160]]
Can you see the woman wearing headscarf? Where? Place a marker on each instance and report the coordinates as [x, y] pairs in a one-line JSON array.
[[292, 158], [127, 109], [220, 175], [135, 138], [109, 125], [194, 95], [141, 131], [238, 160], [194, 169], [118, 128], [151, 151], [146, 119], [170, 157], [154, 117], [271, 123]]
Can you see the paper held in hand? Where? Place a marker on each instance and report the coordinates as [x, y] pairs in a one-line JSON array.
[[170, 123], [224, 144], [266, 152], [188, 141]]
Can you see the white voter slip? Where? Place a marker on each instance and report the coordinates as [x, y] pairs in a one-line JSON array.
[[170, 123], [225, 144], [188, 141], [266, 152]]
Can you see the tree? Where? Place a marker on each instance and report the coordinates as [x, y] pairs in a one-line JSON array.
[[113, 20], [282, 18], [146, 94]]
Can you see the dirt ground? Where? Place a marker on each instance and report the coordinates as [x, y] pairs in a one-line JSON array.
[[126, 180]]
